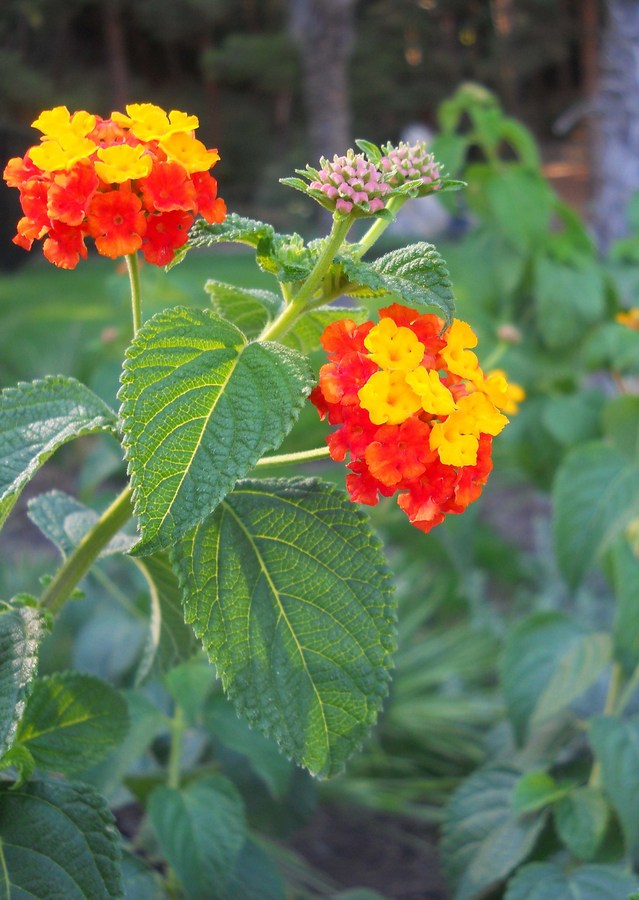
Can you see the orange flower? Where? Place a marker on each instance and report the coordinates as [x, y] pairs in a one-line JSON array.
[[132, 181], [413, 410]]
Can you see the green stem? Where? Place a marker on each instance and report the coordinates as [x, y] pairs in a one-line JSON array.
[[177, 730], [379, 226], [300, 302], [616, 676], [136, 297], [493, 358], [302, 456], [84, 555]]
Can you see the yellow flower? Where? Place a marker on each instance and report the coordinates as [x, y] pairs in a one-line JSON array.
[[388, 399], [504, 395], [459, 359], [122, 162], [151, 123], [630, 318], [453, 447], [476, 414], [435, 396], [58, 123], [393, 347], [190, 153], [62, 154]]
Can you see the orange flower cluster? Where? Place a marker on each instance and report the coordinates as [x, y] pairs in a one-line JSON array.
[[416, 413], [131, 182]]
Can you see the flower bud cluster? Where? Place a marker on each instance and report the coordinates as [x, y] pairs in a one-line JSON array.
[[415, 411], [409, 162], [131, 182], [350, 182]]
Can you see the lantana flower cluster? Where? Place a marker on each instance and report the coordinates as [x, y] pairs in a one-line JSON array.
[[350, 183], [415, 411], [409, 162], [131, 182]]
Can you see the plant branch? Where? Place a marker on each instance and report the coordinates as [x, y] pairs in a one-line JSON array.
[[175, 755], [87, 551], [136, 297], [379, 226], [301, 456]]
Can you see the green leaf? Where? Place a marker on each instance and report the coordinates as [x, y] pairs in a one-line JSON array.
[[250, 309], [190, 684], [621, 425], [625, 578], [569, 297], [581, 819], [520, 202], [201, 832], [483, 839], [615, 346], [71, 721], [65, 521], [306, 332], [548, 661], [234, 228], [615, 742], [200, 406], [38, 418], [535, 790], [18, 758], [21, 631], [263, 756], [140, 881], [372, 151], [255, 875], [596, 494], [170, 640], [417, 273], [573, 418], [288, 589], [548, 881], [285, 256], [58, 839]]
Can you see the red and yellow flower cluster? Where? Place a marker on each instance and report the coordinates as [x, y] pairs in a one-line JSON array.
[[131, 182], [416, 413]]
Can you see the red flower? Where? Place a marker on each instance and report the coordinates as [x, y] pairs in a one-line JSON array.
[[64, 246], [168, 187], [116, 223], [165, 233], [70, 193]]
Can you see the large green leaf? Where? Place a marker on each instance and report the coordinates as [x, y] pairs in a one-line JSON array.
[[549, 659], [417, 273], [549, 881], [201, 831], [596, 494], [483, 837], [621, 425], [520, 202], [65, 521], [21, 630], [71, 721], [288, 589], [200, 406], [615, 742], [568, 298], [58, 839], [38, 418]]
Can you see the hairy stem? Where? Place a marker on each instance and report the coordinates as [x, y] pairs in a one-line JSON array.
[[177, 730], [301, 456], [379, 226], [87, 551], [136, 297], [304, 297]]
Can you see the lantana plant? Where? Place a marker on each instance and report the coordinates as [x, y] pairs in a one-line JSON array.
[[283, 581]]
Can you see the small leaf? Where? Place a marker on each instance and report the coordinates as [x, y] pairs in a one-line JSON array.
[[549, 659], [596, 494], [548, 881], [21, 631], [569, 298], [38, 418], [65, 521], [534, 790], [615, 742], [285, 256], [71, 721], [201, 831], [189, 684], [305, 333], [483, 838], [58, 839], [234, 228], [581, 819], [416, 273], [372, 151], [18, 758], [288, 590], [521, 204], [200, 406], [250, 309]]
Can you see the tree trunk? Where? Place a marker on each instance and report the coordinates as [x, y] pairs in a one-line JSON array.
[[325, 31], [617, 121]]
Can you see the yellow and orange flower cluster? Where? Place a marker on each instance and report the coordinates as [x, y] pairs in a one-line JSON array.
[[131, 182], [416, 413]]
